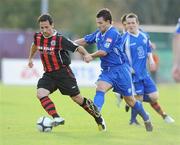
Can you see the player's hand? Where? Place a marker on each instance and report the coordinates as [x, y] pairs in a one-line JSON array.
[[176, 73], [153, 67], [30, 64], [88, 58]]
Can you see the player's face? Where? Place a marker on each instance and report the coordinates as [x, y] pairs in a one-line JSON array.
[[46, 28], [132, 25], [102, 24]]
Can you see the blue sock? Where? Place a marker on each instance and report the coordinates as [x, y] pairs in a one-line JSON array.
[[134, 114], [139, 108], [99, 99], [146, 98]]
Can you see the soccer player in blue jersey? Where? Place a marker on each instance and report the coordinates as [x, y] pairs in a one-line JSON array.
[[176, 53], [115, 69], [137, 46]]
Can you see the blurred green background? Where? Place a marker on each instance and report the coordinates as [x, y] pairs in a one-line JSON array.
[[75, 18]]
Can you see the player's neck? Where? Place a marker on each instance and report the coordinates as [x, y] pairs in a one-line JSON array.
[[135, 33], [52, 34], [107, 28]]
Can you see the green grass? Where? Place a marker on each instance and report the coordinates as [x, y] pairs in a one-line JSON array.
[[19, 111]]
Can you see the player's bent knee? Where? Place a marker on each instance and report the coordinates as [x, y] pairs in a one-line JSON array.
[[78, 99], [41, 92], [103, 86], [130, 101], [154, 96], [139, 97]]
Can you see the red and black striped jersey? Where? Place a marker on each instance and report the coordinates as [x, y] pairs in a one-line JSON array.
[[54, 50]]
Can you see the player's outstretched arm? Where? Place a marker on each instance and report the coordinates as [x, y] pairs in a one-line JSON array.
[[32, 52], [99, 53], [81, 42], [86, 56], [152, 65]]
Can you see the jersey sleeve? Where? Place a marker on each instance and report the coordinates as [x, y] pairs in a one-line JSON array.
[[67, 44], [125, 47], [91, 38], [123, 41], [149, 48], [35, 40]]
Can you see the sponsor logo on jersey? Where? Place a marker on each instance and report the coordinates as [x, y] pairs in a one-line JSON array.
[[45, 48], [109, 40], [107, 44], [53, 43], [140, 52], [132, 44]]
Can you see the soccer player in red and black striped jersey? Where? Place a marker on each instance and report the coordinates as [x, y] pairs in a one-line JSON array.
[[53, 49]]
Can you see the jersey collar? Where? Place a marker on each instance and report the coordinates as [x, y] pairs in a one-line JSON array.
[[135, 35], [54, 33], [107, 30]]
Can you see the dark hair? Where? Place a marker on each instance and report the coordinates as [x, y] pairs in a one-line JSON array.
[[132, 15], [45, 17], [105, 13], [123, 18]]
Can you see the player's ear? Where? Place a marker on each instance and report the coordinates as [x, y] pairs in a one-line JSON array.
[[138, 22], [52, 25]]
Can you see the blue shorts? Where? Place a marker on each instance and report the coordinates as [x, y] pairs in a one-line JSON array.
[[119, 77], [145, 86]]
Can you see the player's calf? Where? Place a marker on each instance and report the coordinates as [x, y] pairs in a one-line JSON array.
[[89, 106]]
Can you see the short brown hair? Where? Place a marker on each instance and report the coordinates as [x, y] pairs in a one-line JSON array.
[[132, 15], [105, 13], [45, 17], [123, 18]]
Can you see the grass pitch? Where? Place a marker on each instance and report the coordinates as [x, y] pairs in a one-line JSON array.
[[19, 111]]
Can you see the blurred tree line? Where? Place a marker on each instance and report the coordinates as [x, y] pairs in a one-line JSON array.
[[78, 16]]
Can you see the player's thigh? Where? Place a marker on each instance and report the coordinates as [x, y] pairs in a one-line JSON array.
[[104, 82], [66, 82], [103, 86], [46, 85], [122, 83], [149, 86], [139, 88]]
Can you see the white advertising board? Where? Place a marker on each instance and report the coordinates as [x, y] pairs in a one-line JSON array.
[[16, 72]]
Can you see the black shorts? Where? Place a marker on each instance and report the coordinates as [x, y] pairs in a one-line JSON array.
[[62, 79]]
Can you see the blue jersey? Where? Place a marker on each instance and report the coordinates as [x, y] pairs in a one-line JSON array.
[[110, 43], [178, 27], [137, 48]]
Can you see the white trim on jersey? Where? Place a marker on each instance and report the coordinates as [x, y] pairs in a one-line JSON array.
[[127, 50], [144, 35], [106, 30]]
